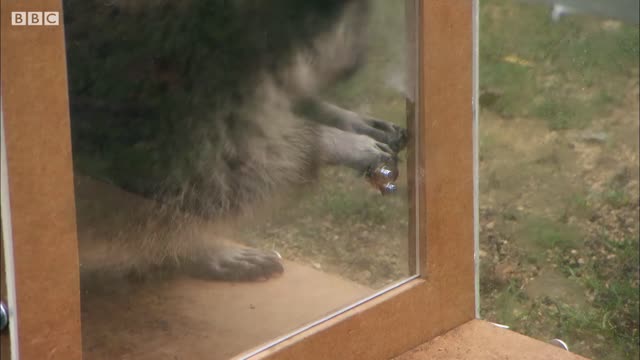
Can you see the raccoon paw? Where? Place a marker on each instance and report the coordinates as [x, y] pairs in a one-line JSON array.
[[237, 264], [366, 153], [392, 135]]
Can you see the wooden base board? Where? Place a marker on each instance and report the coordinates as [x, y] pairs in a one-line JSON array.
[[194, 319], [186, 318], [480, 340]]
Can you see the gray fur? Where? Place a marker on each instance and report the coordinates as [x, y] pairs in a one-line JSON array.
[[231, 151]]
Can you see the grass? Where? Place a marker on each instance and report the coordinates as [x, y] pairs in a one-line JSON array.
[[348, 208], [616, 195], [578, 205], [508, 303], [568, 72], [547, 234], [617, 198], [606, 327], [548, 217]]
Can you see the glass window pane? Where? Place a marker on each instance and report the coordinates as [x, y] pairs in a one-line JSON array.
[[240, 167]]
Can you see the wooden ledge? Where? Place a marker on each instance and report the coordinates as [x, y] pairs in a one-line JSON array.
[[187, 318], [480, 340]]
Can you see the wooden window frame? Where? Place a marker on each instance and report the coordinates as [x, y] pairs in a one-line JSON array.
[[42, 208]]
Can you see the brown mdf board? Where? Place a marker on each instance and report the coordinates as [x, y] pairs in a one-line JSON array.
[[40, 183], [480, 340], [443, 297]]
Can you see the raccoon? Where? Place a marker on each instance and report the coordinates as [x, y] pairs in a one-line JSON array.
[[207, 109]]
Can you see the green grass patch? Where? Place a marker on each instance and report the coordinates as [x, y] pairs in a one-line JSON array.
[[570, 71], [604, 327], [510, 303], [614, 312], [616, 195], [617, 198], [349, 207], [549, 235]]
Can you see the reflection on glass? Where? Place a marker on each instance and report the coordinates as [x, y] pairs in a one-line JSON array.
[[559, 172], [240, 167]]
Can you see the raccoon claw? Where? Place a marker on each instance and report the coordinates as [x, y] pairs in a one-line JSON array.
[[388, 156], [399, 141], [238, 264], [385, 148], [380, 154], [394, 136]]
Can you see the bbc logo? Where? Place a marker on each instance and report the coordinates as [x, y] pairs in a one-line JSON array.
[[35, 18]]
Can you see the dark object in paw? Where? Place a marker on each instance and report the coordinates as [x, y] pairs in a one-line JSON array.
[[383, 177]]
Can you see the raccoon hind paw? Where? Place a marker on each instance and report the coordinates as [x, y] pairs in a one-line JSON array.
[[237, 264]]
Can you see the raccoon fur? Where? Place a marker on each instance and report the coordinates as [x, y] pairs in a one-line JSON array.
[[206, 108]]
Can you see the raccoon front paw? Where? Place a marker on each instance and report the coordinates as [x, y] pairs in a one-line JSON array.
[[237, 264], [367, 153], [392, 135]]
